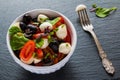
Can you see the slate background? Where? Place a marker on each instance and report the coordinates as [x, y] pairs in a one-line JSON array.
[[85, 63]]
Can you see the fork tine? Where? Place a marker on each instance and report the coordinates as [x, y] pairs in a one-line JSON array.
[[86, 17], [80, 13]]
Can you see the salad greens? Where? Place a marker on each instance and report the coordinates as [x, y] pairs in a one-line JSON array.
[[50, 39], [39, 43], [13, 30], [17, 41], [36, 41], [102, 12]]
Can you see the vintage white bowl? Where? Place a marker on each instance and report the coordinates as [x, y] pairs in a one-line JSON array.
[[52, 68]]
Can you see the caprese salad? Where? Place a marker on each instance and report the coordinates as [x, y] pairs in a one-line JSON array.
[[40, 41]]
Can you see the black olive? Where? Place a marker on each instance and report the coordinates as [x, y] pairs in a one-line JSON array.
[[61, 41], [34, 19], [23, 26], [54, 46], [27, 19], [17, 52], [32, 28], [47, 62]]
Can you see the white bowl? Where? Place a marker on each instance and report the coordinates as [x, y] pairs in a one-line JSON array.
[[52, 68]]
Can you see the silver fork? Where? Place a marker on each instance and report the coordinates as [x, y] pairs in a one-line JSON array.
[[87, 26]]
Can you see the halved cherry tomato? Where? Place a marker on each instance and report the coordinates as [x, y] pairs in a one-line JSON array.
[[35, 36], [68, 37], [61, 19], [55, 60], [39, 53], [27, 51]]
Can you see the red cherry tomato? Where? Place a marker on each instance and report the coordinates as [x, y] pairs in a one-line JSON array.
[[27, 51], [39, 53], [35, 36], [60, 21], [68, 37]]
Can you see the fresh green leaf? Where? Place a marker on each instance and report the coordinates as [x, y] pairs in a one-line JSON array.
[[39, 43], [50, 39], [52, 32], [94, 5], [103, 12], [47, 55], [13, 30], [17, 41]]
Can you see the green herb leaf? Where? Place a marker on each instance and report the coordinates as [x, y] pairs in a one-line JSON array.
[[50, 39], [52, 33], [13, 30], [43, 19], [17, 41], [47, 55], [39, 43], [103, 12], [94, 5]]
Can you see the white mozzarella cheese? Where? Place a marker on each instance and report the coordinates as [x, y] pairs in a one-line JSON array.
[[41, 18], [62, 31], [64, 48], [45, 44], [45, 25]]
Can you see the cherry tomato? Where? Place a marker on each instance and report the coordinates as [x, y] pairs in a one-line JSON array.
[[39, 53], [61, 21], [27, 51], [68, 37], [35, 36]]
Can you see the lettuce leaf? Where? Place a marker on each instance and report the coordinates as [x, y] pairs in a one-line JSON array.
[[17, 41], [13, 30]]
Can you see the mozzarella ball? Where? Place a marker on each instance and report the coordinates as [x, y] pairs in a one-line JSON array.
[[45, 25], [64, 48], [41, 18], [45, 44], [80, 7], [36, 60], [62, 31]]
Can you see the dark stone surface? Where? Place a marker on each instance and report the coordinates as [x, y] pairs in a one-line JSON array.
[[85, 63]]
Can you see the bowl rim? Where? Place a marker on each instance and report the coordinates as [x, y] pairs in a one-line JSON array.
[[41, 67]]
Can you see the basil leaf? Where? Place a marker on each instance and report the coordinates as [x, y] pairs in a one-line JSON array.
[[94, 5], [102, 12]]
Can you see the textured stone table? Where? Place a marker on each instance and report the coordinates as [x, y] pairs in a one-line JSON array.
[[85, 63]]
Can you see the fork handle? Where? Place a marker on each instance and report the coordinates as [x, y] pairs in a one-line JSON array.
[[107, 64]]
